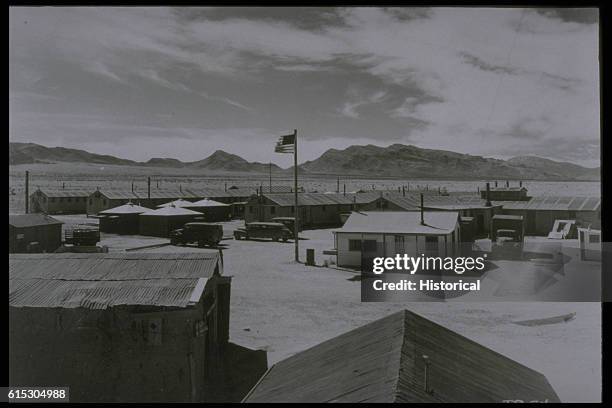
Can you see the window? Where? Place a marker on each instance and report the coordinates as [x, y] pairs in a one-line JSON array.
[[399, 244], [369, 245], [52, 199], [354, 245], [69, 199], [272, 210], [593, 239], [323, 208], [104, 202], [61, 200], [90, 201], [292, 210], [250, 209]]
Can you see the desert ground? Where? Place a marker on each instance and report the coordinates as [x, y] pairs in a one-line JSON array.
[[284, 307]]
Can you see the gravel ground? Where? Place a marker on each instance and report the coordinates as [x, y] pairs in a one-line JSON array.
[[285, 307]]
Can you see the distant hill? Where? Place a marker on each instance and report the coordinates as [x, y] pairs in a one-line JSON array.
[[409, 161], [24, 153], [27, 153], [404, 161], [223, 161]]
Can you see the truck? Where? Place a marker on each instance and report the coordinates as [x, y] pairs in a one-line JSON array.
[[507, 236], [82, 235], [201, 233], [272, 230]]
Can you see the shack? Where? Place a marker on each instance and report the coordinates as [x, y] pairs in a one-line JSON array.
[[400, 358], [385, 234], [540, 213], [34, 233], [120, 327], [122, 220], [160, 222], [59, 201], [213, 211]]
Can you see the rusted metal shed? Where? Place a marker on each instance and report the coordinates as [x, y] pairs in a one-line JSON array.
[[400, 358], [121, 327], [34, 233]]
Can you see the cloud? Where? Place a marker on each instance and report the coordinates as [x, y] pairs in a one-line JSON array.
[[477, 80]]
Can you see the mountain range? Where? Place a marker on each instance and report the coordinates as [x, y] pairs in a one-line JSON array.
[[398, 160]]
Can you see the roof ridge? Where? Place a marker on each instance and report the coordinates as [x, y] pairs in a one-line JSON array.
[[401, 358]]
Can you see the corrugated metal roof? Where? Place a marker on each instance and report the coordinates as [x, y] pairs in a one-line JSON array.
[[383, 362], [60, 192], [412, 201], [31, 220], [401, 222], [119, 194], [554, 203], [306, 199], [98, 281]]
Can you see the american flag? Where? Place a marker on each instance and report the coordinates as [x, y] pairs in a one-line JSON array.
[[285, 144]]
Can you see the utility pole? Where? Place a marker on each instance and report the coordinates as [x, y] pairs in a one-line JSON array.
[[270, 172], [27, 192], [295, 196]]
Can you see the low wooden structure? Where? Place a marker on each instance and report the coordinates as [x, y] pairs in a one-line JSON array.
[[160, 222], [385, 234], [120, 327], [34, 233], [213, 211], [59, 201], [400, 358], [122, 220]]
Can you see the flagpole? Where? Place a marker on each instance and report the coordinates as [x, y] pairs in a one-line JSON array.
[[295, 196]]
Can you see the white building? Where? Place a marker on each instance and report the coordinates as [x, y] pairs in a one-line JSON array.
[[370, 234]]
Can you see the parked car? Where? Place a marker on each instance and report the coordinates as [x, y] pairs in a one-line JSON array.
[[202, 233], [288, 222], [273, 230], [508, 244]]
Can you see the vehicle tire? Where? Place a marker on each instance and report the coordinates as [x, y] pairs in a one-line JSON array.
[[284, 239]]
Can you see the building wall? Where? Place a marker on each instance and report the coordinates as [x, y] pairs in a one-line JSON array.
[[115, 355], [161, 226], [414, 245], [40, 203], [311, 216], [49, 237]]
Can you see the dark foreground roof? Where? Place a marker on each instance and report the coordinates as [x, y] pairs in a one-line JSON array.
[[383, 362], [31, 220], [100, 281]]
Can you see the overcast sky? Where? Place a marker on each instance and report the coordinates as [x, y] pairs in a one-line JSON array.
[[162, 82]]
